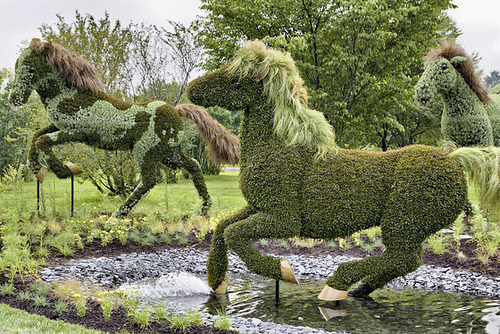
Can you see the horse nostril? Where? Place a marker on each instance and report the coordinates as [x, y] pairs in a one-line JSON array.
[[237, 85], [31, 70]]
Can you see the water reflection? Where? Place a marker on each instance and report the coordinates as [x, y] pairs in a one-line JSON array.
[[390, 311]]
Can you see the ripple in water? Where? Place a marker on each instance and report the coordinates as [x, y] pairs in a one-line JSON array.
[[390, 311]]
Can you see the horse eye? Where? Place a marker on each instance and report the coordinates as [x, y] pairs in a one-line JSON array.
[[31, 70], [444, 66], [237, 85]]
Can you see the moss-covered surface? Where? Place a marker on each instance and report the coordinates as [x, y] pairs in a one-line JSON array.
[[465, 120], [80, 111], [411, 192], [470, 117], [495, 90]]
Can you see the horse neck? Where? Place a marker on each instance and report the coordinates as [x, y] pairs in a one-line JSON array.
[[257, 127], [53, 86], [460, 100]]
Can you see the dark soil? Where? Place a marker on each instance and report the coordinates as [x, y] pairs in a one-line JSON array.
[[119, 321]]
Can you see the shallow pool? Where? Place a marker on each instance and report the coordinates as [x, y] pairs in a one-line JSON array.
[[390, 311]]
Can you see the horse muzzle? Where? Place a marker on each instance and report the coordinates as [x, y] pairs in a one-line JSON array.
[[17, 99], [422, 94]]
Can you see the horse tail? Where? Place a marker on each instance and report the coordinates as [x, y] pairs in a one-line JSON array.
[[223, 145], [482, 169]]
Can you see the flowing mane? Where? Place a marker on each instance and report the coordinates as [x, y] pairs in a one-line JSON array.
[[294, 122], [76, 70], [449, 50]]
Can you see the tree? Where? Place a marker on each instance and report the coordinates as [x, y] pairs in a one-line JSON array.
[[137, 62], [492, 79], [17, 125], [359, 59], [107, 46], [184, 45]]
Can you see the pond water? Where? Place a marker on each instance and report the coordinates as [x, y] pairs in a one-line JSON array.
[[390, 311]]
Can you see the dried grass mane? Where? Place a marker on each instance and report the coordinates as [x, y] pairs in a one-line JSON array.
[[449, 50], [293, 121], [76, 70]]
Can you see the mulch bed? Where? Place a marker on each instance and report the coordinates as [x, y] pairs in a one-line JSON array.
[[119, 321]]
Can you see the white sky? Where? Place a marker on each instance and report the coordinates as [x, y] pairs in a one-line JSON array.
[[19, 20]]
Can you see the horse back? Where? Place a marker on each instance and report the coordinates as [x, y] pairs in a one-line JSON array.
[[354, 190]]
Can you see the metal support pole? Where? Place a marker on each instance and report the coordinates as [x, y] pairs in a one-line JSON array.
[[72, 195], [38, 197], [277, 293], [74, 170]]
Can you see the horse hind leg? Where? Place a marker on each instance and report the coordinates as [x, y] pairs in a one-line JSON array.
[[147, 181], [403, 255], [374, 272], [193, 167]]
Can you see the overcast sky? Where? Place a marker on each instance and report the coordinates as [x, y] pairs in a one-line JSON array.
[[19, 20]]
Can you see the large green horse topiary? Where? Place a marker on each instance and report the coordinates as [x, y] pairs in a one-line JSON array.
[[297, 182], [470, 117], [80, 111]]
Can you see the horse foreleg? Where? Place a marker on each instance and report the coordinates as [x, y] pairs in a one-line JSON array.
[[193, 168], [217, 263], [33, 156], [44, 144], [239, 236]]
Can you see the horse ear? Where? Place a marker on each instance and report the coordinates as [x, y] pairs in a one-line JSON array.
[[37, 45], [262, 74], [457, 61]]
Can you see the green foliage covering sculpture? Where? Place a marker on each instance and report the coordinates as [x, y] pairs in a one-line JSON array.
[[81, 111], [297, 182], [495, 90], [470, 117]]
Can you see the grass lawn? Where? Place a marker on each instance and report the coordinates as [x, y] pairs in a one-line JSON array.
[[167, 200], [14, 321]]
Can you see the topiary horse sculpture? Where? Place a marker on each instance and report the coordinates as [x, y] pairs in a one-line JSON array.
[[80, 111], [470, 117], [297, 182]]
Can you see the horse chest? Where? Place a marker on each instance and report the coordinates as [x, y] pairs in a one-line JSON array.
[[270, 182]]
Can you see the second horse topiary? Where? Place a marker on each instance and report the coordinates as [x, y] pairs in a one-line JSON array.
[[471, 116], [81, 111], [297, 182]]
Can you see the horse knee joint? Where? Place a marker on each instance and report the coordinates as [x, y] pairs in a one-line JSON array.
[[234, 235]]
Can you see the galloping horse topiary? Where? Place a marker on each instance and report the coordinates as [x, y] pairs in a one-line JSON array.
[[81, 111], [470, 117], [297, 182]]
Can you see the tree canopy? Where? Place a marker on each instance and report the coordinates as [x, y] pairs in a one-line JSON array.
[[360, 59]]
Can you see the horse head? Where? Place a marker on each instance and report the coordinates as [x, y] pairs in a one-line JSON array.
[[49, 68], [31, 67], [225, 89], [440, 76]]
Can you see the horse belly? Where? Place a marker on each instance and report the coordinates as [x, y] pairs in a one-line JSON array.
[[342, 198], [335, 213]]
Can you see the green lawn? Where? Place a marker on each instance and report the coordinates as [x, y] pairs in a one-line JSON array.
[[14, 321], [168, 200]]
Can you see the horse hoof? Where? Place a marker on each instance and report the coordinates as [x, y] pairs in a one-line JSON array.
[[73, 168], [331, 294], [40, 176], [361, 291], [328, 313], [287, 274], [222, 288]]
